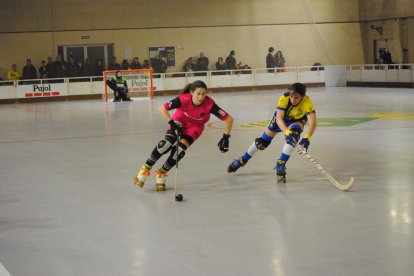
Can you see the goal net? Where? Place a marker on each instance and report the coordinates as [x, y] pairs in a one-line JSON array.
[[139, 81]]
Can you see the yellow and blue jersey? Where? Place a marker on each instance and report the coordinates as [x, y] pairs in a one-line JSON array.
[[292, 113]]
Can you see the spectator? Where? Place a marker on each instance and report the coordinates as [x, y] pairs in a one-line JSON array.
[[387, 56], [317, 66], [279, 61], [380, 59], [202, 63], [135, 64], [13, 73], [43, 70], [231, 61], [87, 69], [190, 65], [220, 66], [245, 69], [49, 67], [114, 65], [29, 71], [99, 68], [160, 66], [59, 67], [270, 60], [72, 68], [125, 65], [146, 64]]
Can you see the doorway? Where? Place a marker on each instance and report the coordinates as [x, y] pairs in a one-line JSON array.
[[79, 53]]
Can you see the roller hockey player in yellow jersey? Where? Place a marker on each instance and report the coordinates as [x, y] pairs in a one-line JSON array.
[[293, 110]]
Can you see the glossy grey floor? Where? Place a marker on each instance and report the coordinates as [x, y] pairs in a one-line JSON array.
[[68, 205]]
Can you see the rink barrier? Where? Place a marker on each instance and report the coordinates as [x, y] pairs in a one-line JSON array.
[[81, 88]]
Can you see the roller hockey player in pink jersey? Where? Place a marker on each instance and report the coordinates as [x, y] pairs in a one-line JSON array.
[[293, 110], [192, 111]]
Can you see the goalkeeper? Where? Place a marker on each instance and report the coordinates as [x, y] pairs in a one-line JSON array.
[[120, 87], [192, 111], [292, 112]]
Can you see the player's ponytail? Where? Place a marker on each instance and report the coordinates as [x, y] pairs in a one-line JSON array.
[[193, 86]]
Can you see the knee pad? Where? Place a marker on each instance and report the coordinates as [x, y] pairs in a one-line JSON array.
[[296, 130], [165, 144], [181, 151], [261, 143]]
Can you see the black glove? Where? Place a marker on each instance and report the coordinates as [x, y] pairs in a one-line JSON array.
[[304, 143], [223, 144], [175, 127]]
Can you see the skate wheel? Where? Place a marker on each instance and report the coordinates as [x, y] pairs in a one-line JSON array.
[[138, 183], [160, 187]]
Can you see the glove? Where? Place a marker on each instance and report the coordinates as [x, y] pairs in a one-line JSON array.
[[122, 90], [176, 127], [292, 137], [223, 144], [304, 143]]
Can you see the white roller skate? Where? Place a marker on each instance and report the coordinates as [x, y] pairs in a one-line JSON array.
[[160, 179], [142, 175], [281, 171]]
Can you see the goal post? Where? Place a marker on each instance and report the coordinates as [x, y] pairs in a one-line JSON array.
[[139, 81]]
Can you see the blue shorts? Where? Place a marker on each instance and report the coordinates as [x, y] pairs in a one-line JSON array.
[[272, 126]]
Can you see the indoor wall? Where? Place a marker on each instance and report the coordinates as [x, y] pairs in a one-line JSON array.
[[306, 31]]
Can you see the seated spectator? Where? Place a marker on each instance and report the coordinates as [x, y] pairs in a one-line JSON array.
[[125, 65], [29, 71], [135, 64], [87, 69], [317, 66], [146, 64], [59, 67], [220, 66], [13, 73], [72, 68], [190, 65], [114, 65], [98, 68], [43, 70], [245, 69]]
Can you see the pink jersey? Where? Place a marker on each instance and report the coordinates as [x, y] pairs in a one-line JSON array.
[[187, 112], [193, 118]]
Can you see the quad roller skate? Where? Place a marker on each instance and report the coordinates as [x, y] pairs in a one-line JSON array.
[[236, 164], [160, 179], [142, 175], [281, 171]]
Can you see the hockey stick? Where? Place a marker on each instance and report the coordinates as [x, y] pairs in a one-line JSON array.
[[342, 187], [178, 197]]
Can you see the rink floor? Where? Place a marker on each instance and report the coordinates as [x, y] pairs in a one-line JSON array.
[[68, 205]]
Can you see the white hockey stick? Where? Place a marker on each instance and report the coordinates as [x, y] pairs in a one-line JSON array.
[[342, 187]]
